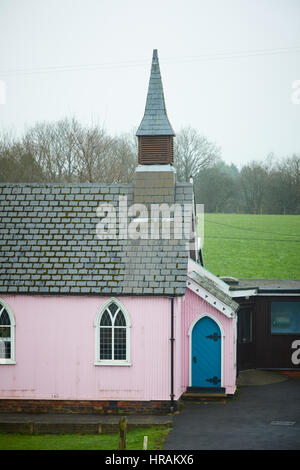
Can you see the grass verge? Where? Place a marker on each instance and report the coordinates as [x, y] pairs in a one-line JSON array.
[[156, 438]]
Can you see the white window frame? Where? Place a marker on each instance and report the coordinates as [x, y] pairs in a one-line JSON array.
[[111, 362], [11, 360]]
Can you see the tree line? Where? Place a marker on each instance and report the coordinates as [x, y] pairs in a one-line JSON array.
[[67, 151], [269, 187]]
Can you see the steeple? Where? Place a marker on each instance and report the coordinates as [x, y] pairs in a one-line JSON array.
[[155, 120], [155, 133]]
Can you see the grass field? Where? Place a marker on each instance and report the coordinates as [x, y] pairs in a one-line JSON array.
[[252, 246], [134, 440]]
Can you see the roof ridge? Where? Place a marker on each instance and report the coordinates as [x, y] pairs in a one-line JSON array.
[[74, 184]]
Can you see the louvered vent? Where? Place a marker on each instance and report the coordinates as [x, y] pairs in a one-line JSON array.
[[156, 150]]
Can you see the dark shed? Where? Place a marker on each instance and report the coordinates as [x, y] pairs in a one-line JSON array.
[[268, 323]]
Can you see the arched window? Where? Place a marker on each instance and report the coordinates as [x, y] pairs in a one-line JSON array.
[[112, 335], [7, 335]]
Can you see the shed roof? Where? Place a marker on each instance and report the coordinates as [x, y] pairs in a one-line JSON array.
[[48, 244], [269, 283], [267, 286]]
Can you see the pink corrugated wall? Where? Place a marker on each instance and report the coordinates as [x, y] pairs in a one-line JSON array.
[[193, 306], [55, 350]]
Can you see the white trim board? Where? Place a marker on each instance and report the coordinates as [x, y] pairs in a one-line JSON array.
[[210, 299], [242, 293], [151, 168], [193, 266]]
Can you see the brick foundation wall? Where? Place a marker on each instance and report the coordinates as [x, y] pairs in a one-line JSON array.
[[83, 406], [291, 373]]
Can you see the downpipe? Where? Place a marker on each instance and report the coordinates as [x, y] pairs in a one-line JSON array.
[[172, 339]]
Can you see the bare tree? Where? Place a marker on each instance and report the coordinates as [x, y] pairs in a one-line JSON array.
[[285, 185], [53, 146], [93, 147], [16, 165], [253, 180], [193, 153], [104, 158], [67, 151], [216, 188], [123, 159]]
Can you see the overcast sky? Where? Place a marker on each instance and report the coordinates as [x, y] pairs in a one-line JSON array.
[[227, 66]]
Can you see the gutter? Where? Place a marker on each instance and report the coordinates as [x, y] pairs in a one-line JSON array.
[[278, 291]]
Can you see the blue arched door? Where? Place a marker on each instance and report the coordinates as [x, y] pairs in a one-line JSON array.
[[206, 354]]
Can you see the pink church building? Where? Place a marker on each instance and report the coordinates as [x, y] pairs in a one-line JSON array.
[[99, 322]]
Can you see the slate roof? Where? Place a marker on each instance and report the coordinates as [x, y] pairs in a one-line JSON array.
[[155, 120], [210, 286], [48, 244]]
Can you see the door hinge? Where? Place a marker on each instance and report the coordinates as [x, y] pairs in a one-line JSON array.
[[214, 337], [214, 380]]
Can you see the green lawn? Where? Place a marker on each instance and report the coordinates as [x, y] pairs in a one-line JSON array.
[[252, 246], [134, 441]]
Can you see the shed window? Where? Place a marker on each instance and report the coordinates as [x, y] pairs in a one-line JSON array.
[[7, 335], [112, 335], [285, 317]]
